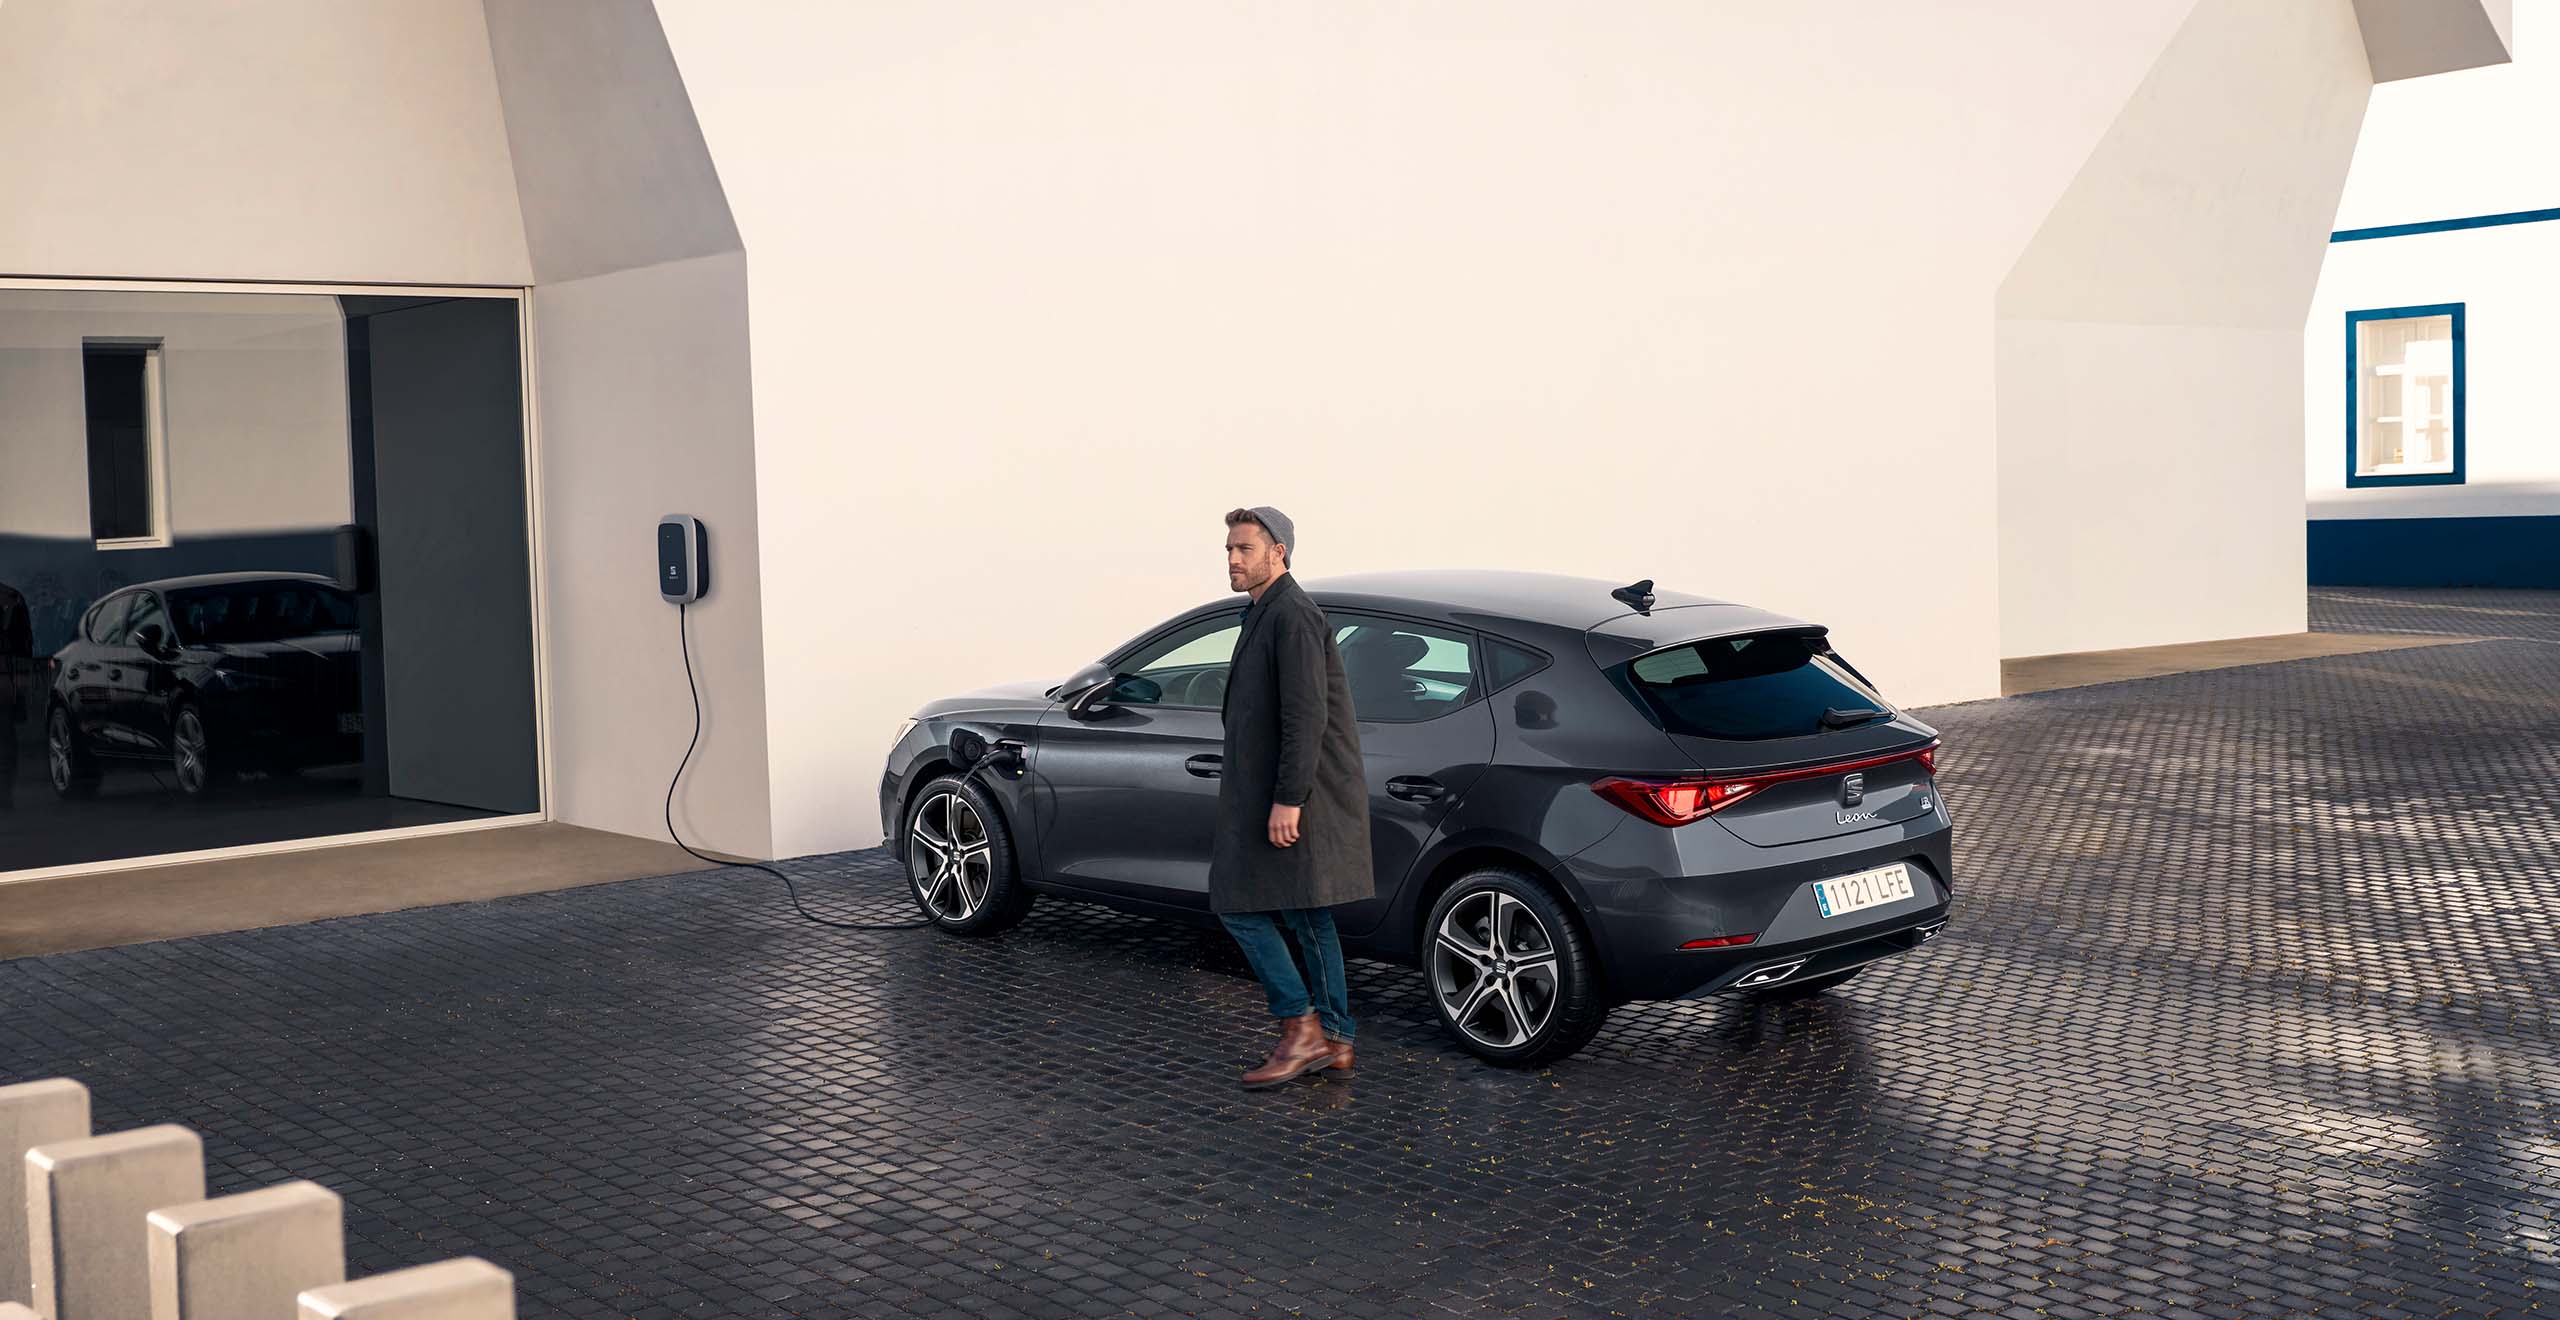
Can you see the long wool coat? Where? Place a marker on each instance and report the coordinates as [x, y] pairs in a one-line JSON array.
[[1293, 739]]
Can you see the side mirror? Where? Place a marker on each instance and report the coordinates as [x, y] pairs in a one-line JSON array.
[[1103, 696], [1075, 684], [151, 638]]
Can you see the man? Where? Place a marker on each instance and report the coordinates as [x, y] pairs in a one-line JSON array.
[[1293, 802]]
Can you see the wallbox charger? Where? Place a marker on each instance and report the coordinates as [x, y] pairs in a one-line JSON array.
[[684, 575], [684, 559]]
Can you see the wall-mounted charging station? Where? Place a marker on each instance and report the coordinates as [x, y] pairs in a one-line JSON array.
[[684, 559]]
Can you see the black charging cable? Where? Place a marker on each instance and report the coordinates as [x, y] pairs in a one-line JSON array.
[[684, 639]]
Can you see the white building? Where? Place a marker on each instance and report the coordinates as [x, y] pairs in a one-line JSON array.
[[1966, 328], [2431, 407]]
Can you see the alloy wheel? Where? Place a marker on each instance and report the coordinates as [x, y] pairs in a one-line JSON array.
[[1493, 966], [949, 858], [189, 751], [58, 750]]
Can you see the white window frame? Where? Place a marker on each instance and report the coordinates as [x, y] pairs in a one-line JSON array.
[[155, 423]]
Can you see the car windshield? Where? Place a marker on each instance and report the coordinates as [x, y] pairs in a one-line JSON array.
[[1768, 685], [251, 612]]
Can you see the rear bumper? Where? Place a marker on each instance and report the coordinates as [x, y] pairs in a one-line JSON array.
[[1778, 966], [1649, 889]]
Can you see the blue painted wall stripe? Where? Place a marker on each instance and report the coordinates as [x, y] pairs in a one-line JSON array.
[[2441, 226], [2435, 552]]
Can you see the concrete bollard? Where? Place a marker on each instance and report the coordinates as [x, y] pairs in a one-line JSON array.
[[245, 1257], [13, 1311], [465, 1289], [31, 1114], [86, 1203]]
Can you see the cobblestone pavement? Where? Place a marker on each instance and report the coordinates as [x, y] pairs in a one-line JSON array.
[[2246, 1009]]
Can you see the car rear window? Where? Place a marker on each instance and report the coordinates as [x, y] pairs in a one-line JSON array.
[[1760, 686]]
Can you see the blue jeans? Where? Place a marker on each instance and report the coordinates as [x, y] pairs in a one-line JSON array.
[[1259, 933]]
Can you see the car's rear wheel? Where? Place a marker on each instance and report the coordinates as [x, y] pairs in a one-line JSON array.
[[1804, 989], [73, 770], [1510, 972], [960, 861], [191, 753]]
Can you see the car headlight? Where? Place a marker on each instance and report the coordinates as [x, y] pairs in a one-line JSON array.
[[901, 735]]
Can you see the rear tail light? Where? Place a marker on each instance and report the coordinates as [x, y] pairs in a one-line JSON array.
[[1694, 797], [1719, 942]]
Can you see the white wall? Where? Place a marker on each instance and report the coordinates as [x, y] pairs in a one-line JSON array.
[[2442, 149], [2464, 143], [641, 356], [2146, 471], [254, 388], [643, 397], [2508, 279], [254, 139], [1702, 293]]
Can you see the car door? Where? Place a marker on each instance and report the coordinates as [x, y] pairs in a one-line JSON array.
[[94, 668], [1127, 801], [1425, 735], [138, 688]]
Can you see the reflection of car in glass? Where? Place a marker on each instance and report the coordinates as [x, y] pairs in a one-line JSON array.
[[205, 676], [1579, 797]]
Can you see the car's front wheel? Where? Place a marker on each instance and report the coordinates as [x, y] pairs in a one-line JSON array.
[[960, 860], [1510, 972], [73, 770]]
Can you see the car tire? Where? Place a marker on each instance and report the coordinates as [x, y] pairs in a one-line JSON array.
[[67, 763], [1787, 991], [985, 894], [1522, 1017], [192, 756]]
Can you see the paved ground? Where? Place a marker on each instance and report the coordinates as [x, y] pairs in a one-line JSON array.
[[2246, 1009]]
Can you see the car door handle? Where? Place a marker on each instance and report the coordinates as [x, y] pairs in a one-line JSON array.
[[1415, 788], [1204, 765]]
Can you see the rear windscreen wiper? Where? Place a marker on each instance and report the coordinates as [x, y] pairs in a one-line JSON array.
[[1841, 719]]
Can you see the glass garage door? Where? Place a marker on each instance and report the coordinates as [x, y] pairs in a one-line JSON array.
[[264, 570]]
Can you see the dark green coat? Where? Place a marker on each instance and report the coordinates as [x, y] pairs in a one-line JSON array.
[[1294, 739]]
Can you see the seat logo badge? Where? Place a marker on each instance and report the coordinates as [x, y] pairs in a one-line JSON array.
[[1853, 790]]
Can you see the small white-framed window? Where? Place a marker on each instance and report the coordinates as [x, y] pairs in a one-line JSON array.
[[128, 444]]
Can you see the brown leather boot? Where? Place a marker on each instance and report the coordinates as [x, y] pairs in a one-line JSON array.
[[1302, 1050], [1341, 1054]]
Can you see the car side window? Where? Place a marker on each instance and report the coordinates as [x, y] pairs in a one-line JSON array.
[[1188, 666], [1401, 671], [106, 626], [1506, 663]]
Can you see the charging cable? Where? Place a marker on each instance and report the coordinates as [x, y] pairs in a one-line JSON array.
[[684, 639]]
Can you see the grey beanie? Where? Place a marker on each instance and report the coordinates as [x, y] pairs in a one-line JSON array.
[[1282, 530]]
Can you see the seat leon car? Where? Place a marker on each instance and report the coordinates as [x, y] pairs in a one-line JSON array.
[[203, 676], [1580, 795]]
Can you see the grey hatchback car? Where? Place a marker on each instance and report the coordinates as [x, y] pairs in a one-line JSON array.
[[1580, 795]]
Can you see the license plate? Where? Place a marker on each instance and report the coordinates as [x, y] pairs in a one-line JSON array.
[[1866, 889], [353, 723]]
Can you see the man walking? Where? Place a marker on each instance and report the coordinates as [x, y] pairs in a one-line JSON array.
[[1293, 802]]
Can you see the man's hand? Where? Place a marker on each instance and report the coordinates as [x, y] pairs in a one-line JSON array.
[[1284, 825]]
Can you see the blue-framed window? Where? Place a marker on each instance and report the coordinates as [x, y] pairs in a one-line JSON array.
[[2404, 396]]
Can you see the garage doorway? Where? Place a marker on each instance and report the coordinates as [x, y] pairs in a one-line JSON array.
[[266, 570]]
